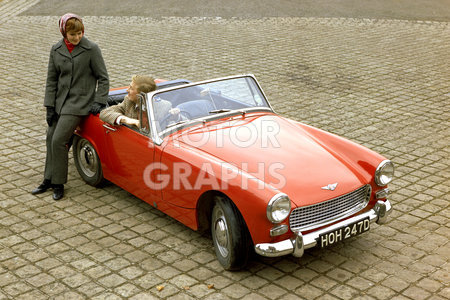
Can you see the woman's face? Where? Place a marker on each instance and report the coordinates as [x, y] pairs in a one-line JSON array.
[[74, 37]]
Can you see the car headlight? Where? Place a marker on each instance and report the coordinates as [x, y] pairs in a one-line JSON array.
[[384, 173], [278, 208]]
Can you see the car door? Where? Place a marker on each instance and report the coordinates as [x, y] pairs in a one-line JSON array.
[[130, 152]]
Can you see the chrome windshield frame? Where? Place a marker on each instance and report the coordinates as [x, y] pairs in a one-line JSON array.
[[157, 137]]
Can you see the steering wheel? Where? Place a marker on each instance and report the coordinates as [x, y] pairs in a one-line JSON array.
[[181, 116], [184, 115]]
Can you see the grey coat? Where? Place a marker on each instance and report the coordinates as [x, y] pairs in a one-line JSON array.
[[75, 80]]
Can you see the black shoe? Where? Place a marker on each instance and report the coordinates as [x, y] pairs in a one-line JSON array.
[[43, 187], [58, 191]]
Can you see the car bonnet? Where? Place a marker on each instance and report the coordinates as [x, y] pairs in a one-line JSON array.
[[277, 152]]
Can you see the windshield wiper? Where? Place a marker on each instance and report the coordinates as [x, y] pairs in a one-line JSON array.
[[177, 123], [218, 111]]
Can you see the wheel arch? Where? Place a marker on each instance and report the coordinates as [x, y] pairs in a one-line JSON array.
[[94, 144], [88, 138], [92, 130], [97, 178], [205, 205], [80, 135]]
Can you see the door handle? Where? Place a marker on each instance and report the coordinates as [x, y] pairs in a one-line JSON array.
[[109, 127]]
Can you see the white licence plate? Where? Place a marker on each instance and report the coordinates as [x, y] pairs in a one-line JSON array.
[[343, 233]]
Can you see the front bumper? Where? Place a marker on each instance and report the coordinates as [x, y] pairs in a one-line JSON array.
[[297, 245]]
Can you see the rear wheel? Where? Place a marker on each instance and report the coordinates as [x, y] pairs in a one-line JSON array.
[[87, 161], [230, 235]]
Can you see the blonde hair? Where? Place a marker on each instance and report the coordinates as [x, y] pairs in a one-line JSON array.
[[144, 83]]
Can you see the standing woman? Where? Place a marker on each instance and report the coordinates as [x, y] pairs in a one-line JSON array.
[[77, 84]]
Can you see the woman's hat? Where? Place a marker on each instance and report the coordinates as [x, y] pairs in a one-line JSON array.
[[63, 20]]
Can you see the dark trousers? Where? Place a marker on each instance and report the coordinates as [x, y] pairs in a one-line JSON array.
[[57, 158]]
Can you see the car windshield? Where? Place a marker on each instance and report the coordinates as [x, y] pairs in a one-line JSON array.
[[203, 100]]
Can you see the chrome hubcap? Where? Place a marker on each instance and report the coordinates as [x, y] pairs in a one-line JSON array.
[[221, 233], [88, 159]]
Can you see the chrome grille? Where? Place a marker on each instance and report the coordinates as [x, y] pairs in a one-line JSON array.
[[317, 215]]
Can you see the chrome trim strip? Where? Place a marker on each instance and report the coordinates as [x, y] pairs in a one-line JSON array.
[[158, 138], [279, 230], [152, 121], [193, 122], [382, 194], [109, 127], [300, 242]]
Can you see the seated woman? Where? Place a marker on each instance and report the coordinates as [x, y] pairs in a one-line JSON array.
[[127, 111]]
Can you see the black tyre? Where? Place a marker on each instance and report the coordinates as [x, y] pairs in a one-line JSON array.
[[87, 161], [230, 235]]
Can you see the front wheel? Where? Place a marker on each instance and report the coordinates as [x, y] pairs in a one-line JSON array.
[[87, 161], [230, 235]]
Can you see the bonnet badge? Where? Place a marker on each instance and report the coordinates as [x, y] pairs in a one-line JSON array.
[[330, 187]]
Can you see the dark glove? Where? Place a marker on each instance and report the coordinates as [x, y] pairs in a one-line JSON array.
[[51, 115], [96, 108]]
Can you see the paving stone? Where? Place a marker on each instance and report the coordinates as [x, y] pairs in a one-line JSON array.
[[149, 280], [41, 279], [416, 293], [309, 292], [380, 83], [185, 265], [272, 291], [54, 289], [429, 285], [15, 289], [112, 280], [131, 272], [201, 273], [395, 283], [219, 282], [236, 291], [324, 283], [144, 296], [91, 288], [6, 279], [183, 281], [27, 271], [108, 295], [168, 291], [127, 290]]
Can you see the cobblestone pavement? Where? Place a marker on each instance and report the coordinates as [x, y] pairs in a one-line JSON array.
[[384, 84]]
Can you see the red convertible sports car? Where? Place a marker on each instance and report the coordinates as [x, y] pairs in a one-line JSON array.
[[215, 156]]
